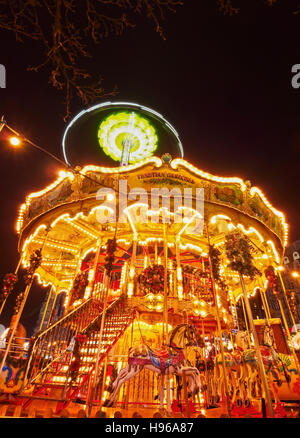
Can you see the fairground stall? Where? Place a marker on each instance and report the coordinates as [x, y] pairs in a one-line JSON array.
[[146, 263]]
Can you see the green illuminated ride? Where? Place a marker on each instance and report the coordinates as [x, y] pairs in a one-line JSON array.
[[128, 137]]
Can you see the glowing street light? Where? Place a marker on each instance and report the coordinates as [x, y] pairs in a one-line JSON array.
[[15, 141], [295, 274]]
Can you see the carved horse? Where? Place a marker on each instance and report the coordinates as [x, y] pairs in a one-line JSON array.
[[235, 374], [270, 360], [170, 359]]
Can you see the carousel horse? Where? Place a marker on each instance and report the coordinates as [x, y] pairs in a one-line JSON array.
[[270, 360], [167, 360], [235, 375], [278, 359]]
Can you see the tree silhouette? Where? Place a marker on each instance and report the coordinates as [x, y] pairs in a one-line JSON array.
[[67, 29]]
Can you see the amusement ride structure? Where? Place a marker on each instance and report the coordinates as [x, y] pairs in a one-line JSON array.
[[146, 264]]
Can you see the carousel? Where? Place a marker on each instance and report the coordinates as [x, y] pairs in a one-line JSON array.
[[150, 266]]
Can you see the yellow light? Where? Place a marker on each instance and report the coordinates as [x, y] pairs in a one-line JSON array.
[[179, 274], [295, 274], [180, 292], [280, 268], [14, 141], [110, 197], [130, 290]]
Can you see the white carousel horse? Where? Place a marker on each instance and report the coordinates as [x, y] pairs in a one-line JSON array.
[[270, 360], [170, 360]]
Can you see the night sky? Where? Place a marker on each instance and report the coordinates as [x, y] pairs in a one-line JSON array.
[[223, 82]]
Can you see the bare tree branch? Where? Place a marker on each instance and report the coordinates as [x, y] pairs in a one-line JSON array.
[[66, 29]]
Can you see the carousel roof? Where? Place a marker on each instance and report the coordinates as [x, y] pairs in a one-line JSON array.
[[67, 212]]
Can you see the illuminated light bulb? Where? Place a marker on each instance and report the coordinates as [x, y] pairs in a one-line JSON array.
[[15, 141], [295, 274], [130, 290], [131, 272], [179, 274], [110, 197], [180, 292]]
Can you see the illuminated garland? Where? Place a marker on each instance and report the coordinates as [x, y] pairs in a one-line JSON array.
[[214, 255], [238, 252], [34, 263], [152, 279], [188, 269], [291, 298], [110, 255], [273, 281], [80, 283], [9, 282]]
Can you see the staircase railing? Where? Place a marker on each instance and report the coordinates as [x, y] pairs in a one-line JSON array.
[[117, 319], [53, 342]]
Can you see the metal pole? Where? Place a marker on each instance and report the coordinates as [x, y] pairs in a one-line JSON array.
[[264, 299], [98, 251], [246, 320], [215, 296], [46, 307], [284, 293], [257, 349], [16, 271], [220, 336], [94, 379], [185, 395], [103, 381], [165, 313], [288, 335]]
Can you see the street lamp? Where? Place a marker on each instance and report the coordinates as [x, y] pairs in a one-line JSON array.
[[17, 139]]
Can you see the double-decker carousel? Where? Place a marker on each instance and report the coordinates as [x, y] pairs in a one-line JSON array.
[[150, 268]]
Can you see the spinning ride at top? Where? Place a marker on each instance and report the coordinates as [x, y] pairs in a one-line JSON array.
[[157, 233]]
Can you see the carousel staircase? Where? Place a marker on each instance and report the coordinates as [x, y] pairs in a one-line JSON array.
[[50, 372]]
